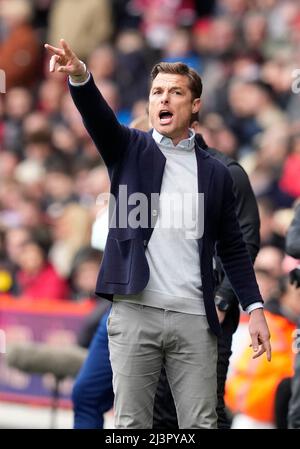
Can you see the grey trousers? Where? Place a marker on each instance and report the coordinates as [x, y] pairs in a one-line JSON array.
[[141, 339]]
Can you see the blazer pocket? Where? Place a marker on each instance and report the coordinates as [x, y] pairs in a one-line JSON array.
[[117, 261]]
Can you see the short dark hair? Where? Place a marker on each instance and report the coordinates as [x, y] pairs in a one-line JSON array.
[[179, 68]]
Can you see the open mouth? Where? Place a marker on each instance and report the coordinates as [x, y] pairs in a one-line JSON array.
[[165, 117]]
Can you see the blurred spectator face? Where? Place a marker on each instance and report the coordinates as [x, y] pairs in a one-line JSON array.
[[267, 284], [10, 195], [85, 277], [254, 28], [203, 41], [282, 220], [30, 214], [129, 41], [226, 142], [73, 225], [30, 174], [278, 75], [34, 123], [102, 62], [110, 93], [289, 13], [15, 12], [265, 4], [247, 99], [97, 182], [235, 7], [18, 103], [64, 139], [256, 98], [14, 241], [160, 17], [8, 163], [244, 67], [58, 186], [38, 151], [224, 35], [239, 99], [139, 109], [268, 270], [178, 45], [80, 181], [50, 94], [281, 17], [31, 259], [270, 259], [273, 147], [216, 134]]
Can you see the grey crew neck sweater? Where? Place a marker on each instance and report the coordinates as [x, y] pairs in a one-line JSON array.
[[172, 252]]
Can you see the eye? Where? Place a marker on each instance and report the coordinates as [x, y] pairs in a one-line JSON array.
[[177, 92]]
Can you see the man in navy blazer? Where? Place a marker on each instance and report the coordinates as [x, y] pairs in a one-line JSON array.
[[162, 281]]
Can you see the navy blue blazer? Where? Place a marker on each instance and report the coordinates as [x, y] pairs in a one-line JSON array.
[[133, 159]]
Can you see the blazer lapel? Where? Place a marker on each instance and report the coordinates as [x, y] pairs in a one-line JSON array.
[[153, 164], [205, 171], [152, 167]]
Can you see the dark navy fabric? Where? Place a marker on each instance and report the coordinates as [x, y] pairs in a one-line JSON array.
[[93, 392], [133, 159]]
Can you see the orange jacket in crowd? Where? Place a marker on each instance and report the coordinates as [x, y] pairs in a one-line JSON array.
[[251, 387]]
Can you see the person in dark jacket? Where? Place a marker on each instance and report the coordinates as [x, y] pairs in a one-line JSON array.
[[293, 249], [226, 301], [177, 325], [89, 401], [164, 408]]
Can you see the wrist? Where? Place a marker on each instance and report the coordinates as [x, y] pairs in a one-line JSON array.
[[80, 77], [257, 311]]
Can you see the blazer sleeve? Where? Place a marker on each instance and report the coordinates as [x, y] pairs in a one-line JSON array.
[[248, 218], [232, 250], [109, 136], [292, 243]]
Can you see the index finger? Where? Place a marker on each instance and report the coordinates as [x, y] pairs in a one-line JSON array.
[[268, 350], [55, 50]]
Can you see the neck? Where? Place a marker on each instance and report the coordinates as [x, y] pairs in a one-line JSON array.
[[179, 138]]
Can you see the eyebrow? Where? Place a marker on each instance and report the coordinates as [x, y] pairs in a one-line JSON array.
[[172, 88]]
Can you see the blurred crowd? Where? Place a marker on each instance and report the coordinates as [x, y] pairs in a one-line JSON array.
[[247, 52]]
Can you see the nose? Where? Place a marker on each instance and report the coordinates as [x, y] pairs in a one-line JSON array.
[[164, 98]]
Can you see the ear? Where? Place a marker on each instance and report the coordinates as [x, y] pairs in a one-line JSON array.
[[196, 105]]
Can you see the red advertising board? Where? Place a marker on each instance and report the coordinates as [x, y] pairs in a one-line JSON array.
[[48, 321]]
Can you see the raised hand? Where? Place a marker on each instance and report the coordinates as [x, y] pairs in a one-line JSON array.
[[64, 60]]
